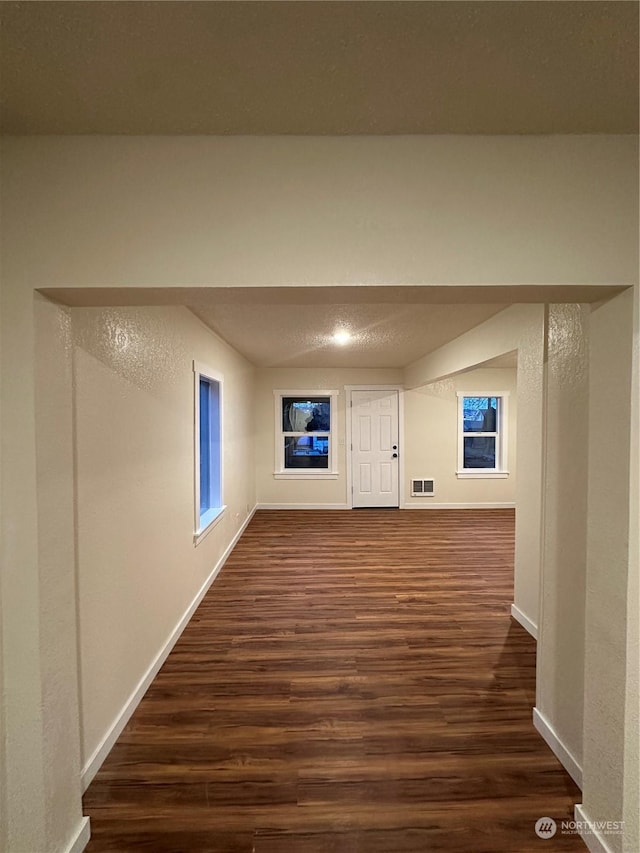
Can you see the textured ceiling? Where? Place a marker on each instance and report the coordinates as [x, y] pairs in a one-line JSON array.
[[319, 67], [298, 334], [392, 325]]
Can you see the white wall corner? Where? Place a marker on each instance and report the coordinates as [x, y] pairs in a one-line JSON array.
[[554, 742], [80, 837], [528, 624], [103, 749], [594, 841]]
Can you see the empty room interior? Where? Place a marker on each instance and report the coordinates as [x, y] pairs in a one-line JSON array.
[[320, 414]]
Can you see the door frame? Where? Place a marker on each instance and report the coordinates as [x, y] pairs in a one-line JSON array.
[[349, 457]]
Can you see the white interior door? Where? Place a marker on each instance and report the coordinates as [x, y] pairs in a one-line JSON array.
[[375, 453]]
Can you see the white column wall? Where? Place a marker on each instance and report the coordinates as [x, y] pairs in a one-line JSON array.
[[608, 569], [631, 781], [561, 644]]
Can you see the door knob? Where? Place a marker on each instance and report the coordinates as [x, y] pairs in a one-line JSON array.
[[395, 455], [395, 447]]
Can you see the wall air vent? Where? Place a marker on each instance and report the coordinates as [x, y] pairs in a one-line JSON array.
[[422, 488]]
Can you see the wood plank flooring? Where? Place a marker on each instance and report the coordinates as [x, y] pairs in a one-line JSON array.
[[352, 683]]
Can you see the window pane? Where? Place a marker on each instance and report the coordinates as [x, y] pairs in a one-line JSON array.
[[205, 447], [480, 452], [307, 451], [480, 414], [209, 444], [302, 414]]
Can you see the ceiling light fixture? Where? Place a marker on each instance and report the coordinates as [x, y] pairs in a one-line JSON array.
[[342, 337]]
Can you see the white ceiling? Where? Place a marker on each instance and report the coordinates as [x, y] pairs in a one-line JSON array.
[[318, 67], [291, 326], [296, 334]]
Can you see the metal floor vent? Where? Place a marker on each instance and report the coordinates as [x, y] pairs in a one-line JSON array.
[[422, 488]]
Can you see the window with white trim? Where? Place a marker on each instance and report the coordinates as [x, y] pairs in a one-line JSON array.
[[209, 505], [482, 435], [305, 435]]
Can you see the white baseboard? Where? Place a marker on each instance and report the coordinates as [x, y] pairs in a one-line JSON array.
[[81, 837], [526, 623], [591, 836], [104, 748], [302, 506], [507, 505], [558, 748], [429, 505]]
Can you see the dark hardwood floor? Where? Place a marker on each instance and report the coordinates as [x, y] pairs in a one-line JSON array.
[[352, 683]]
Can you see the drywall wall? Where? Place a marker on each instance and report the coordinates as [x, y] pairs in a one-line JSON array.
[[520, 328], [55, 629], [498, 335], [431, 439], [24, 739], [305, 492], [427, 411], [41, 747], [56, 561], [121, 212], [108, 211], [608, 566], [529, 463], [560, 659], [632, 711], [138, 569], [4, 818]]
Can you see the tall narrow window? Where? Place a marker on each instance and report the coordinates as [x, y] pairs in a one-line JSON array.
[[482, 435], [209, 505]]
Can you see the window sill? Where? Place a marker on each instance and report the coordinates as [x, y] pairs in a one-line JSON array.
[[207, 522], [305, 475], [481, 474]]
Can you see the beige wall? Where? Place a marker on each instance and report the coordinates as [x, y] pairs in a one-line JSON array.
[[138, 570], [530, 460], [431, 410], [39, 775], [560, 660], [54, 525], [498, 335], [309, 492], [520, 328], [609, 569], [431, 439], [122, 212], [632, 710]]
